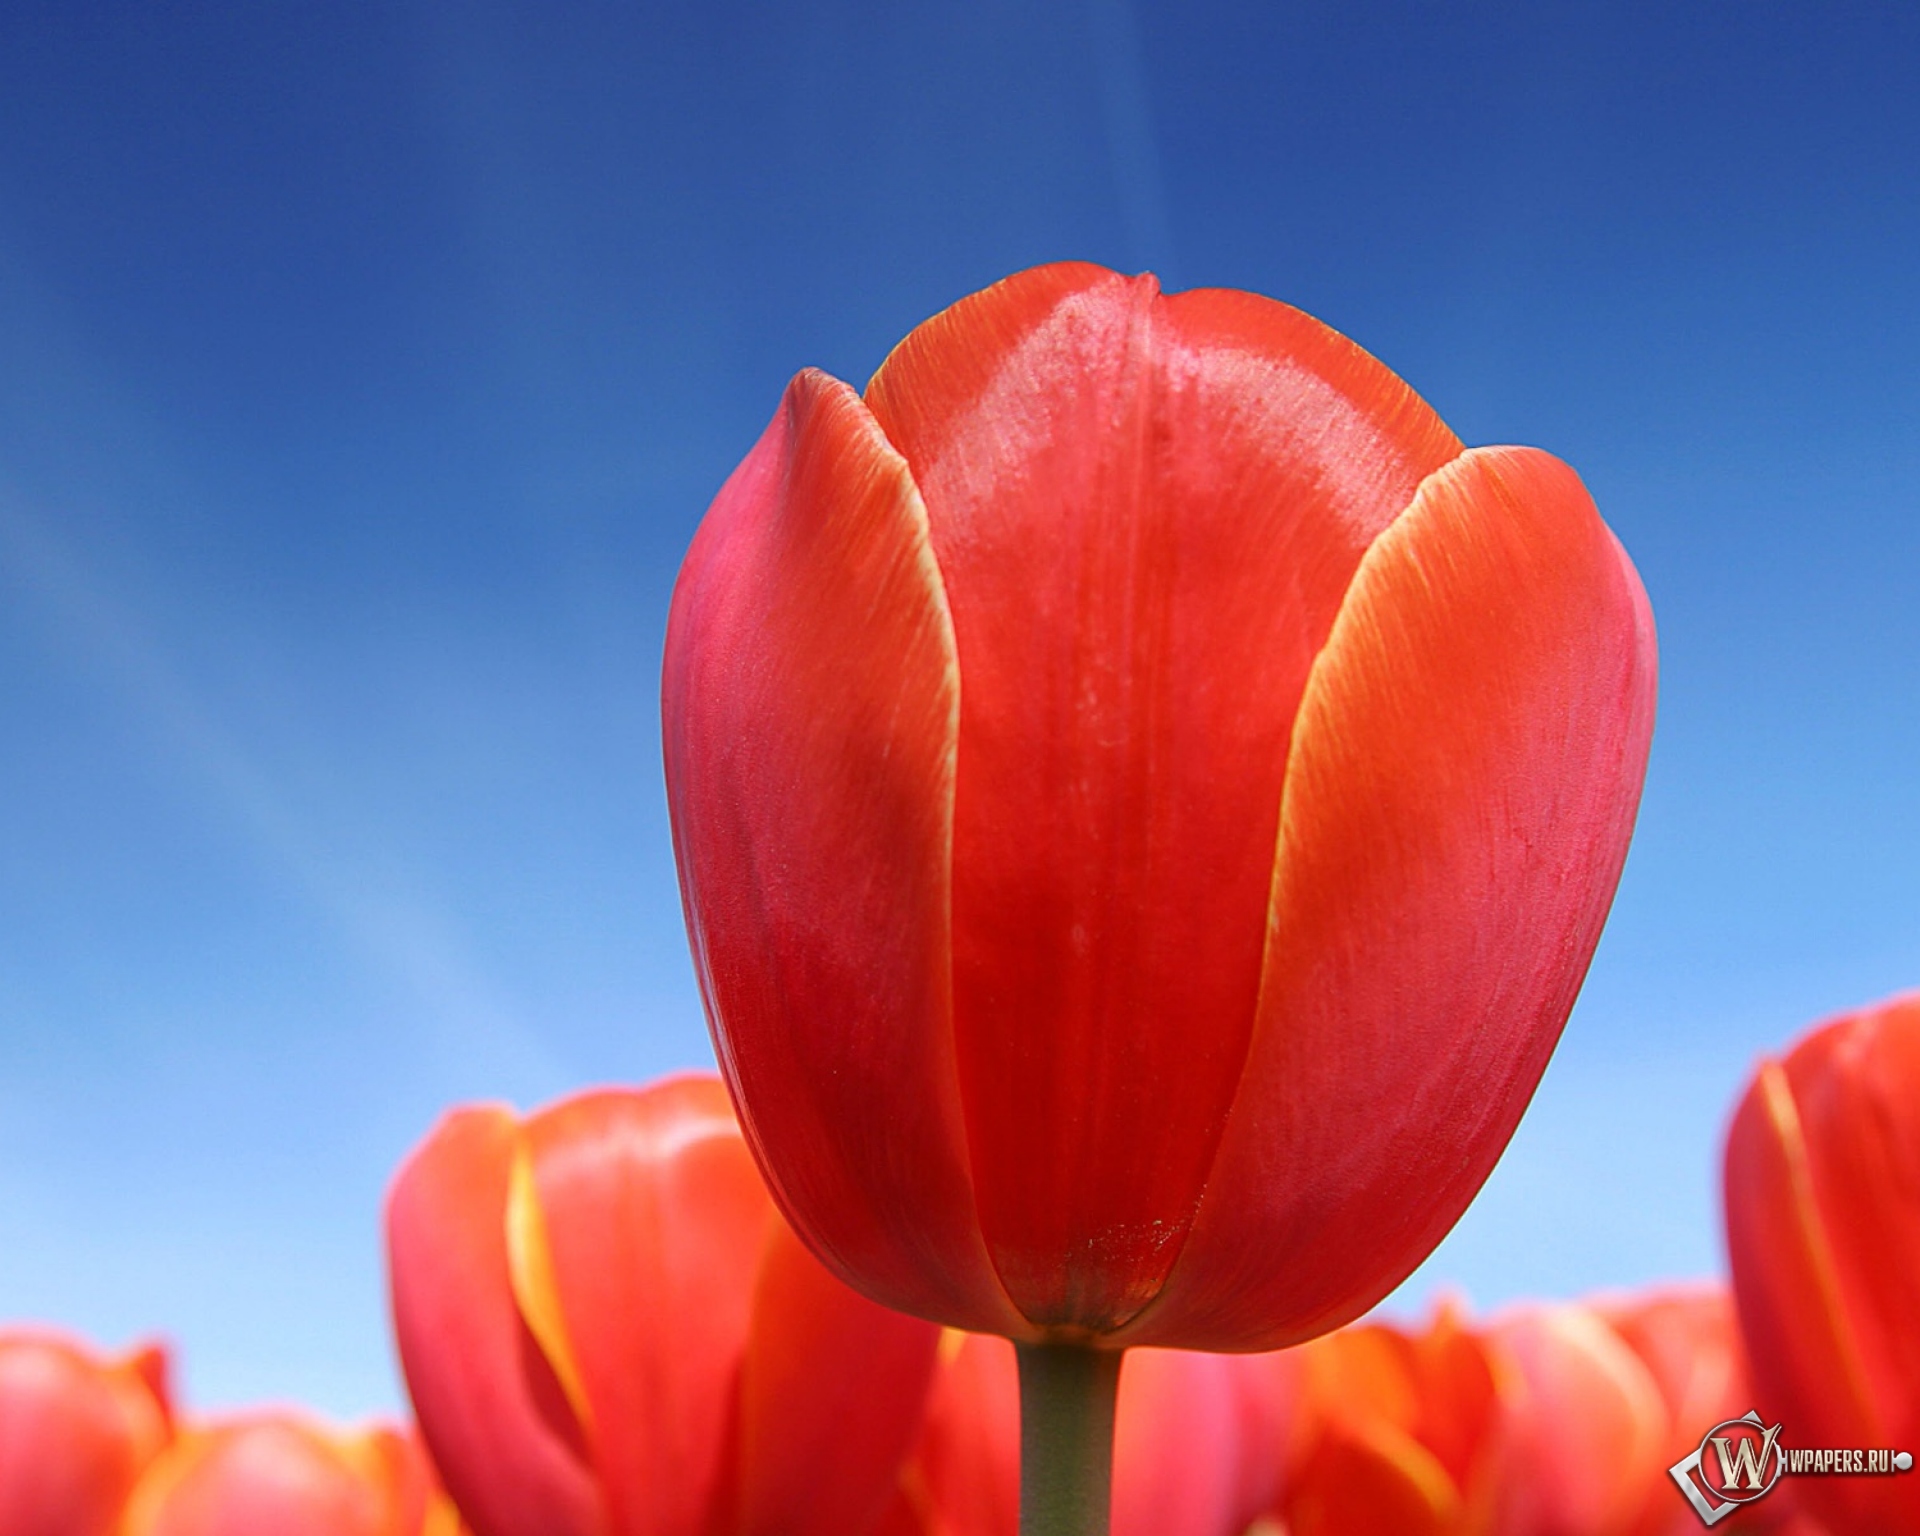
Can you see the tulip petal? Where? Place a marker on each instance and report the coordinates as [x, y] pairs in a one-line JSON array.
[[1584, 1427], [74, 1434], [264, 1475], [1823, 1236], [490, 1407], [810, 705], [1368, 1477], [651, 1208], [1459, 1404], [398, 1463], [1858, 1093], [1464, 775], [832, 1394], [966, 1471], [1146, 512], [1794, 1316], [1689, 1340], [1182, 1447]]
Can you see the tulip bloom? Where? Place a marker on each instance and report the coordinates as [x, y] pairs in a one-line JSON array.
[[1689, 1341], [279, 1473], [1402, 1434], [1199, 1444], [1145, 799], [1551, 1420], [1585, 1424], [607, 1330], [75, 1432], [1823, 1233]]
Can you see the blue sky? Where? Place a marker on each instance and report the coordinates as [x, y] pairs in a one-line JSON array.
[[365, 370]]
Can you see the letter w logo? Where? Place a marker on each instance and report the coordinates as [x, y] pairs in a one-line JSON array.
[[1745, 1460]]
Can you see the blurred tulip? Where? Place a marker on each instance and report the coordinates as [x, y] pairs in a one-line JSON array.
[[1584, 1426], [1145, 799], [607, 1330], [1402, 1434], [1823, 1234], [1200, 1441], [76, 1431], [278, 1474], [1551, 1420], [1689, 1340]]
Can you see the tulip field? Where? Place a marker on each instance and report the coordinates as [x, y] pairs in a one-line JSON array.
[[1145, 795]]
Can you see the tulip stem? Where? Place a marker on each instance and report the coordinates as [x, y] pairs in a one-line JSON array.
[[1067, 1395]]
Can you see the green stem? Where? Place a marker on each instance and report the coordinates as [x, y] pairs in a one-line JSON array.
[[1067, 1394]]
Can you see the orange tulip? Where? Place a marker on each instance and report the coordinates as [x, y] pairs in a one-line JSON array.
[[1199, 1443], [607, 1330], [1552, 1420], [76, 1431], [1823, 1232], [277, 1474], [1145, 798], [1402, 1434]]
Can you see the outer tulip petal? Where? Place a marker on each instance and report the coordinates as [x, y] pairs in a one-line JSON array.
[[810, 707], [1463, 779], [649, 1206], [1458, 1383], [1146, 511], [490, 1407], [268, 1475], [1689, 1341], [399, 1463], [1802, 1339], [1823, 1231], [1858, 1093], [830, 1380], [1371, 1478], [1584, 1431], [75, 1433], [1182, 1447], [965, 1476], [1270, 1393]]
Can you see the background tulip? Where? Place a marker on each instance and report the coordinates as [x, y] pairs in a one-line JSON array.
[[1583, 1427], [1402, 1432], [1689, 1340], [1145, 799], [1552, 1420], [281, 1474], [76, 1431], [607, 1330], [1200, 1443], [1823, 1233]]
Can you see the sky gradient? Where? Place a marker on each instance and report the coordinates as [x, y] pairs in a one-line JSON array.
[[364, 373]]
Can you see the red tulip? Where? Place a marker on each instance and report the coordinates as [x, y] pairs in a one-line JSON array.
[[1584, 1426], [607, 1330], [75, 1432], [1199, 1444], [1145, 799], [281, 1474], [1689, 1340], [1823, 1231]]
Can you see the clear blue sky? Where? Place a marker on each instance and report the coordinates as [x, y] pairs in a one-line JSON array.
[[364, 370]]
